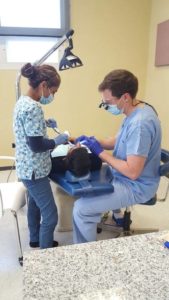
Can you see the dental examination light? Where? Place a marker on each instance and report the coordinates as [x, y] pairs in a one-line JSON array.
[[69, 60]]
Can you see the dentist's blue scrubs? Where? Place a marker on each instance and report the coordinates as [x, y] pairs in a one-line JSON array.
[[140, 134]]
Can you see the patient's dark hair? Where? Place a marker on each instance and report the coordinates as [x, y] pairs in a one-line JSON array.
[[78, 162]]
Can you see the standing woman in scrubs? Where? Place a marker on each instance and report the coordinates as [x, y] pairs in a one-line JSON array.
[[135, 159], [33, 163]]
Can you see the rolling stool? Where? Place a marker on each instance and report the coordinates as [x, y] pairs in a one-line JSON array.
[[126, 230]]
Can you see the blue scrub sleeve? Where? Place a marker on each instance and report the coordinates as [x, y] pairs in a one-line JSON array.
[[40, 144], [139, 140]]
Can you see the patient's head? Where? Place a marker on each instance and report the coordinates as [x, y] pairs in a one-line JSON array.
[[78, 161]]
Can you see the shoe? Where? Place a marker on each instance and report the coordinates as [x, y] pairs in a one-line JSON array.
[[36, 244], [55, 244], [119, 221]]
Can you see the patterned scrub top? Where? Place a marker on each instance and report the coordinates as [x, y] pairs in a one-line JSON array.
[[29, 121]]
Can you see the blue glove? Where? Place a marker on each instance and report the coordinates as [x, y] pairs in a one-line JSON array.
[[51, 123], [61, 139], [94, 145], [81, 138]]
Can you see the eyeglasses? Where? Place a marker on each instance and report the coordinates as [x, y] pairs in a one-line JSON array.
[[104, 105]]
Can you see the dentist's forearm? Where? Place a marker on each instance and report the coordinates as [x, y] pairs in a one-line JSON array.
[[108, 144], [132, 167]]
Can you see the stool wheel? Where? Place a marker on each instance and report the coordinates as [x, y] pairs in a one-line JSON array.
[[20, 259], [99, 230]]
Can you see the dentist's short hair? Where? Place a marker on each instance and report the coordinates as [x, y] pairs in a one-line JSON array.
[[120, 82]]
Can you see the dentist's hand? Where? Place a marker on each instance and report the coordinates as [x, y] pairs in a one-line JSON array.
[[61, 139], [51, 123], [93, 145], [81, 138]]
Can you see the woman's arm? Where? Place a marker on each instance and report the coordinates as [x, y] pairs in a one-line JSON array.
[[132, 168], [40, 144]]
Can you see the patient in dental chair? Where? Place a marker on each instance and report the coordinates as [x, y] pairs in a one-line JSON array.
[[75, 158]]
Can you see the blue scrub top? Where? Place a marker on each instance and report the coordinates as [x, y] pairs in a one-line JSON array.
[[29, 121], [140, 134]]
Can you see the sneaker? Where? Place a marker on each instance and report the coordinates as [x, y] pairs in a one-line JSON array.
[[36, 244], [119, 221], [55, 244]]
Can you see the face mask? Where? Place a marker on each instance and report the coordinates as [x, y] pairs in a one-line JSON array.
[[113, 109], [46, 100]]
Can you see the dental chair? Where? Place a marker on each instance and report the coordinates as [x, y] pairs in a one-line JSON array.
[[12, 198], [67, 188], [126, 229]]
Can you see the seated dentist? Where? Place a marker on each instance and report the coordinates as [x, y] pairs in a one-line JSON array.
[[33, 161], [77, 159], [136, 155]]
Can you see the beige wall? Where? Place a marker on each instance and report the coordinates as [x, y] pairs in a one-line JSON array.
[[157, 90], [109, 34]]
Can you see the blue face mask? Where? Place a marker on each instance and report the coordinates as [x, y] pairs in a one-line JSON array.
[[46, 100], [113, 109]]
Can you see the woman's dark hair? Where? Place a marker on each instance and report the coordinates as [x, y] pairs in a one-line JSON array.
[[120, 82], [78, 162], [37, 74]]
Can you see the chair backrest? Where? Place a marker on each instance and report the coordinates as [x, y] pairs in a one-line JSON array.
[[12, 194], [164, 168], [4, 166], [163, 171]]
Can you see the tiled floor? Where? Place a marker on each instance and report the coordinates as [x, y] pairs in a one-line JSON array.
[[10, 271]]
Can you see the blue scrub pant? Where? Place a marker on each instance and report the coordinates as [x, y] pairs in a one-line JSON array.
[[41, 205], [87, 211]]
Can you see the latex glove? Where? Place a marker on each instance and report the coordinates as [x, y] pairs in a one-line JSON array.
[[93, 145], [61, 139], [81, 138], [51, 123]]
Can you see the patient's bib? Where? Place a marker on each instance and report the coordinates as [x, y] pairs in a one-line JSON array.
[[62, 150]]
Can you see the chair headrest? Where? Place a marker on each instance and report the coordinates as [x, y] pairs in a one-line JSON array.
[[164, 155], [72, 178]]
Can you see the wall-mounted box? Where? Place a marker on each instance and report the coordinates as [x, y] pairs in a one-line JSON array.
[[162, 44]]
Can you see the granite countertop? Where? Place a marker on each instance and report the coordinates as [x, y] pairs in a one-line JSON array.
[[128, 268]]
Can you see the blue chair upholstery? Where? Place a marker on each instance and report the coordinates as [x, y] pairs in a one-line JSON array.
[[94, 183]]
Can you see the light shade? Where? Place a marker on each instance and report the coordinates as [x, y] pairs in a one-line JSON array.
[[69, 60]]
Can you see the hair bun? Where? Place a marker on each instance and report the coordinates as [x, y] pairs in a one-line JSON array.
[[28, 70]]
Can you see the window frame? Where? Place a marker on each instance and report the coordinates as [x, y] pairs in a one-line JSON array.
[[42, 32]]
